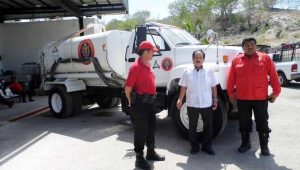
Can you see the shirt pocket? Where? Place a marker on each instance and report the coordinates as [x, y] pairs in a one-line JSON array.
[[191, 94], [143, 80], [260, 68], [260, 74], [190, 82], [208, 84], [240, 70]]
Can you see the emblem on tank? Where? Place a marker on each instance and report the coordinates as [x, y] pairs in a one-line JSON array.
[[86, 50], [167, 64]]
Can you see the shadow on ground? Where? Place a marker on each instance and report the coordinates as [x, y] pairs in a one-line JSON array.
[[95, 124]]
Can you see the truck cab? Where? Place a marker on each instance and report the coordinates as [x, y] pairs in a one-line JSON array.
[[175, 54], [287, 62]]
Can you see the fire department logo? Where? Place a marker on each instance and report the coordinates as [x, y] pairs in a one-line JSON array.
[[167, 64], [86, 50]]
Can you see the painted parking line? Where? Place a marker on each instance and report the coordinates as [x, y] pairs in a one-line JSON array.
[[24, 115]]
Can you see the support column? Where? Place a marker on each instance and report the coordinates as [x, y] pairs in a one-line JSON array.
[[81, 24], [1, 18]]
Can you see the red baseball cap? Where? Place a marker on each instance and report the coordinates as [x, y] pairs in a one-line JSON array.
[[147, 45]]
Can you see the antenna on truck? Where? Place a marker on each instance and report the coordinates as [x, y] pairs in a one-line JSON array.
[[213, 37]]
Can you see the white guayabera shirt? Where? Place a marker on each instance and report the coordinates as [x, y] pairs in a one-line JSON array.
[[198, 83]]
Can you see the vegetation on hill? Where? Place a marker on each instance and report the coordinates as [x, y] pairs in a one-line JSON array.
[[232, 19]]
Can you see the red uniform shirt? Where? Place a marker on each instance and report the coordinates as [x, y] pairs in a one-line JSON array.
[[16, 87], [141, 78], [250, 77]]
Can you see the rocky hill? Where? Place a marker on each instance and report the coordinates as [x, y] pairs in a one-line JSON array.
[[269, 28]]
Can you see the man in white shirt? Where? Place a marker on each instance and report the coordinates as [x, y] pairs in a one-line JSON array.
[[3, 97], [199, 86]]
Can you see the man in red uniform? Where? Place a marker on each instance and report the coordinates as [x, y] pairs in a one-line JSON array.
[[140, 91], [18, 89], [248, 83]]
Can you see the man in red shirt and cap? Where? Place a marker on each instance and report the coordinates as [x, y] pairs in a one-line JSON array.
[[19, 89], [140, 90], [248, 83]]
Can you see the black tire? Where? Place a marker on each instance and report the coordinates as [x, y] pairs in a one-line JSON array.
[[220, 117], [284, 82], [233, 115], [77, 103], [219, 122], [116, 102], [108, 102], [60, 102]]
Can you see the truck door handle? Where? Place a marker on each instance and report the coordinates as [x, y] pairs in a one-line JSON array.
[[130, 60], [126, 53]]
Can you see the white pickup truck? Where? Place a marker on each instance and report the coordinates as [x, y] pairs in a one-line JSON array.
[[287, 62], [93, 68]]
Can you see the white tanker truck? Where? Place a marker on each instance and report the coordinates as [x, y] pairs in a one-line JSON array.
[[93, 68]]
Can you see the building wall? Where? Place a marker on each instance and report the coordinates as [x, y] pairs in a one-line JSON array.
[[1, 46], [21, 42]]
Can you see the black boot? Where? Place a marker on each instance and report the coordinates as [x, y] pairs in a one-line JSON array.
[[207, 149], [246, 145], [10, 104], [195, 148], [141, 163], [153, 156], [263, 140]]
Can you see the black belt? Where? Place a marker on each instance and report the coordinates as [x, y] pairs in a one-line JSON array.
[[145, 98]]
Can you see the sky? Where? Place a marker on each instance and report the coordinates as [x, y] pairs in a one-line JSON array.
[[158, 8], [291, 4]]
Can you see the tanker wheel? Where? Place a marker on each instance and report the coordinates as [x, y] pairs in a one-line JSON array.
[[60, 102], [108, 102], [181, 121]]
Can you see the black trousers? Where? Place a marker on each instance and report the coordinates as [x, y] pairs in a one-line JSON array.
[[23, 94], [207, 117], [260, 109], [144, 125]]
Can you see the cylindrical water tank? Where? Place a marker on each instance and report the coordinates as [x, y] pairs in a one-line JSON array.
[[108, 47]]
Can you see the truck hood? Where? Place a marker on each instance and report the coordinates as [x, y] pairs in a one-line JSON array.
[[213, 53]]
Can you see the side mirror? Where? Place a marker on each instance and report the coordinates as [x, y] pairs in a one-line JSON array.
[[276, 58], [211, 36]]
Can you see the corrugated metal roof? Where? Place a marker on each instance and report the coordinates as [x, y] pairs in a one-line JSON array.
[[31, 9]]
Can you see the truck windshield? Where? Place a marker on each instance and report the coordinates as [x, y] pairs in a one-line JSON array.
[[179, 37]]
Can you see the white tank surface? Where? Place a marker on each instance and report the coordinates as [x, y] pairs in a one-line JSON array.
[[108, 47]]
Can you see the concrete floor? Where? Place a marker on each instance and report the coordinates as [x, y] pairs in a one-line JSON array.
[[18, 108], [101, 140]]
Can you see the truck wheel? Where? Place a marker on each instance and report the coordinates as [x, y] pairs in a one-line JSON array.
[[180, 118], [283, 80], [108, 102], [77, 103], [60, 102], [115, 102]]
